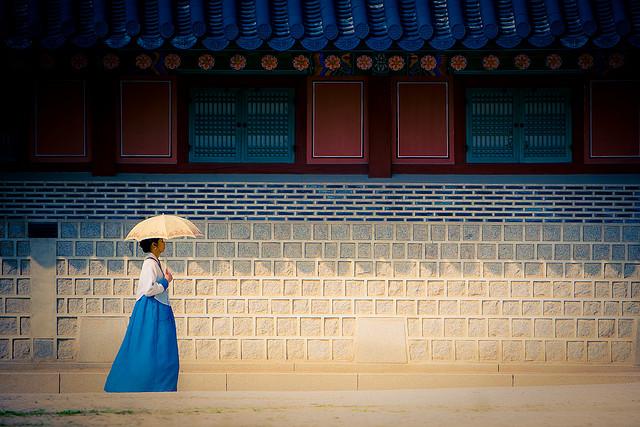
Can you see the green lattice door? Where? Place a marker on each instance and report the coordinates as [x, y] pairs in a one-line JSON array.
[[241, 125], [506, 125]]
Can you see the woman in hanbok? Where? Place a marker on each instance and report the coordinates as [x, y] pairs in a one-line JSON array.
[[148, 357]]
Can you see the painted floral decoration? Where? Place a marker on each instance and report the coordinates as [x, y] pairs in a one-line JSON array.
[[79, 61], [554, 61], [269, 62], [522, 61], [490, 62], [396, 63], [300, 62], [458, 62], [172, 61], [110, 61], [238, 62], [428, 62], [332, 62], [585, 61], [616, 60], [143, 61], [364, 62], [206, 61]]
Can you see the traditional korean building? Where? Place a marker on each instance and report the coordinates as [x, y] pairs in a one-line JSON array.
[[379, 181]]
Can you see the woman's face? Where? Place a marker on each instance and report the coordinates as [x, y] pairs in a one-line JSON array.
[[160, 245]]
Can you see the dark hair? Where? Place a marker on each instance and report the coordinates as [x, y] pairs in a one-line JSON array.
[[146, 244]]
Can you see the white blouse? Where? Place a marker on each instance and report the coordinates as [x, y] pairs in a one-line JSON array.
[[148, 284]]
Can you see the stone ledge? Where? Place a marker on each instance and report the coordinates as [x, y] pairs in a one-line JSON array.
[[337, 367], [83, 378]]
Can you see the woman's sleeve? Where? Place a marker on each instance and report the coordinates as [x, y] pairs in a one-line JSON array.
[[148, 281]]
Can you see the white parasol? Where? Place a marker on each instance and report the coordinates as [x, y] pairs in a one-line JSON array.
[[163, 227]]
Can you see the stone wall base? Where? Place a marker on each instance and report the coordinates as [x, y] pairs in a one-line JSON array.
[[90, 378]]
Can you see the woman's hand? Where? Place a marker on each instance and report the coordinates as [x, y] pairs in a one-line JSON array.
[[168, 275]]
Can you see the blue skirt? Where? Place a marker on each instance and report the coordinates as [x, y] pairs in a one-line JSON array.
[[148, 357]]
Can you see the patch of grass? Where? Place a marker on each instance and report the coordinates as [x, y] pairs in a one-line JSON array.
[[11, 413], [66, 412], [69, 412]]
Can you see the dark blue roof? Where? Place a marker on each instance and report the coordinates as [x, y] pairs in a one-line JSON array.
[[319, 24]]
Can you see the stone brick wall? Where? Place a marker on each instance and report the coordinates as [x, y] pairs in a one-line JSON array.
[[476, 272], [295, 290]]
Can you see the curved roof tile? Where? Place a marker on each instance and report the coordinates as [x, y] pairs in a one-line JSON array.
[[319, 24]]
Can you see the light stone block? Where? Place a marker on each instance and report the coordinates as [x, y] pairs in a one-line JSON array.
[[512, 350], [385, 307], [436, 288], [499, 328], [319, 349], [521, 328], [477, 327], [575, 351], [511, 308], [361, 232], [199, 326], [253, 349], [310, 326], [292, 250], [364, 307], [301, 306], [555, 351], [331, 326], [343, 350], [442, 350], [276, 349], [534, 351], [418, 350], [455, 327], [207, 349], [542, 289], [229, 349], [490, 307], [622, 351], [287, 326], [100, 338], [427, 307], [488, 350], [215, 306], [380, 340], [543, 328], [433, 327], [296, 349], [320, 306], [466, 350], [221, 326]]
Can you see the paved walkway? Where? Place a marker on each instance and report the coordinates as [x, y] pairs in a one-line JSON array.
[[588, 405]]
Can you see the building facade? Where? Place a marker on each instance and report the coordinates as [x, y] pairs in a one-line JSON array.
[[377, 181]]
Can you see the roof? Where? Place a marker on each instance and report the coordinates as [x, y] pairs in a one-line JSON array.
[[319, 24]]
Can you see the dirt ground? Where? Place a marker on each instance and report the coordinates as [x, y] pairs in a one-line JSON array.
[[589, 405]]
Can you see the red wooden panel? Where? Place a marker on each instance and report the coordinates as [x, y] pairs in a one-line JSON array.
[[60, 131], [147, 122], [422, 123], [337, 128], [614, 119]]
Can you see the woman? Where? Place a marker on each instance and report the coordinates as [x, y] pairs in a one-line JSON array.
[[148, 357]]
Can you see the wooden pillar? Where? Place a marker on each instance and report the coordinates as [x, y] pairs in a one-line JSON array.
[[103, 99], [380, 138]]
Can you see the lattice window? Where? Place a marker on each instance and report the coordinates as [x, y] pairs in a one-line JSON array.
[[241, 125], [507, 125]]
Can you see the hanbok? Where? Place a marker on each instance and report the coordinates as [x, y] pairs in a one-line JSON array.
[[148, 357]]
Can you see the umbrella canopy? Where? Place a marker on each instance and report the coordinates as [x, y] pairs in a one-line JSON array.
[[163, 227]]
